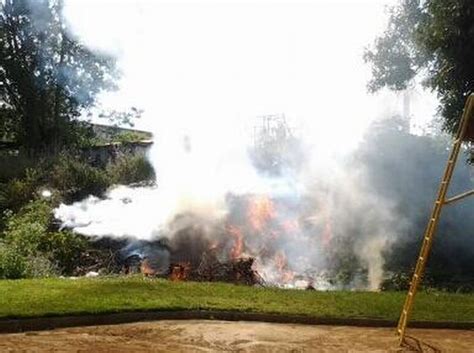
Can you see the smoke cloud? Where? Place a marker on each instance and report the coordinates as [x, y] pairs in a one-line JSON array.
[[331, 208]]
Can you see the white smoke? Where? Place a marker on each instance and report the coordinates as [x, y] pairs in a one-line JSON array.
[[202, 72]]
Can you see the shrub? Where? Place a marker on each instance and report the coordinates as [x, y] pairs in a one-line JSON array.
[[12, 263], [14, 165], [129, 169], [18, 192], [40, 266], [399, 281], [73, 178], [76, 178], [39, 250], [26, 229], [64, 249]]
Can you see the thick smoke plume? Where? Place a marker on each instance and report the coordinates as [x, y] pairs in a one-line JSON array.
[[326, 199], [293, 218]]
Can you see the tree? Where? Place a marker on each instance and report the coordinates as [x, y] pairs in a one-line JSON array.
[[431, 38], [47, 77]]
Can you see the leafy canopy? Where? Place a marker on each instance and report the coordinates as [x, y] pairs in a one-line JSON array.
[[434, 38], [47, 77]]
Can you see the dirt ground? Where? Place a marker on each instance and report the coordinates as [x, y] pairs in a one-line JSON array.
[[219, 336]]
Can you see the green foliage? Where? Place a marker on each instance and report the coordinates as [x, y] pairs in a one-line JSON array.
[[40, 266], [123, 117], [131, 137], [399, 281], [393, 57], [47, 77], [29, 244], [64, 248], [434, 38], [14, 165], [76, 178], [27, 229], [71, 177], [13, 263], [406, 169], [19, 191], [131, 169]]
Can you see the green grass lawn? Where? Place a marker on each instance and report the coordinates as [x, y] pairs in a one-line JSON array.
[[43, 297]]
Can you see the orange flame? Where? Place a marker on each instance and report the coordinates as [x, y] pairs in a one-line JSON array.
[[282, 266], [260, 211], [146, 269], [238, 246], [180, 271]]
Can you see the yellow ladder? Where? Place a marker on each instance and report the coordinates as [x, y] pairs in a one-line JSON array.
[[434, 218]]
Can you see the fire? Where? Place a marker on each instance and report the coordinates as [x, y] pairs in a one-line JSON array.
[[238, 246], [146, 269], [281, 264], [180, 271], [260, 211]]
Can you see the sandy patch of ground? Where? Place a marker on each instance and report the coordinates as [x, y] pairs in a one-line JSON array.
[[219, 336]]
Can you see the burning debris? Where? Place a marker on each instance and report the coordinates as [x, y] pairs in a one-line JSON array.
[[241, 247], [237, 271], [286, 232], [146, 268]]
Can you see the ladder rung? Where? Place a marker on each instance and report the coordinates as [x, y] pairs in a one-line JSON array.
[[434, 218]]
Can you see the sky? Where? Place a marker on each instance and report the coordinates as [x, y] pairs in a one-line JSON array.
[[208, 68]]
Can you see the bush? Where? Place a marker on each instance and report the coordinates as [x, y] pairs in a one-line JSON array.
[[12, 263], [18, 192], [64, 249], [129, 169], [14, 166], [30, 244], [26, 229], [76, 178], [73, 178], [399, 281], [40, 266]]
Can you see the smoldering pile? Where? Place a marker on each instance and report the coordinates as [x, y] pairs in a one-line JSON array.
[[296, 228], [248, 245], [194, 248]]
